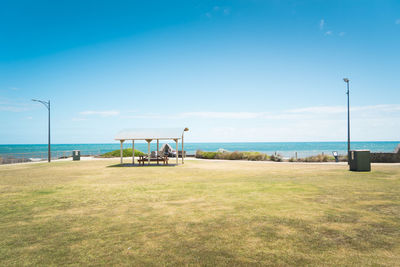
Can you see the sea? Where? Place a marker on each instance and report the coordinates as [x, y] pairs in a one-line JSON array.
[[285, 149]]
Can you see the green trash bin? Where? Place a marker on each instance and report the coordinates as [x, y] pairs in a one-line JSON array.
[[360, 160], [76, 155]]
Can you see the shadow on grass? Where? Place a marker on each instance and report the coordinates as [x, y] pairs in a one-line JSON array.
[[140, 166]]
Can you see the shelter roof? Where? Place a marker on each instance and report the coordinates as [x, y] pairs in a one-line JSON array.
[[150, 133]]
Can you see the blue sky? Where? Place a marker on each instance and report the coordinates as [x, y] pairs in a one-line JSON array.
[[228, 70]]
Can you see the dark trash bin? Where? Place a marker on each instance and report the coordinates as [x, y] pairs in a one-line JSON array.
[[336, 155], [76, 155], [360, 160]]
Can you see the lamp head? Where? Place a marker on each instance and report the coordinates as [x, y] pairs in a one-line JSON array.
[[346, 80]]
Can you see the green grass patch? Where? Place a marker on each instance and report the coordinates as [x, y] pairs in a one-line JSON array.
[[200, 213]]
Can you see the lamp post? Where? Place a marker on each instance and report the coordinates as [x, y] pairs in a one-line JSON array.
[[47, 105], [346, 80]]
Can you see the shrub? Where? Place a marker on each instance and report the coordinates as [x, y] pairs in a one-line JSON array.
[[209, 155], [292, 159], [221, 155], [198, 154], [205, 155], [125, 153], [255, 156], [229, 155], [236, 155]]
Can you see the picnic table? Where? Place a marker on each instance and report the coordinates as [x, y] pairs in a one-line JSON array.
[[158, 158]]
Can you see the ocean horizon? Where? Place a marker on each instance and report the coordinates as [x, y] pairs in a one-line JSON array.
[[286, 149]]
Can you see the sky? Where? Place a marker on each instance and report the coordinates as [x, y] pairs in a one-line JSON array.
[[230, 71]]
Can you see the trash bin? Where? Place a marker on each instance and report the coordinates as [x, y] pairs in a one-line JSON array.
[[336, 155], [360, 160], [76, 155]]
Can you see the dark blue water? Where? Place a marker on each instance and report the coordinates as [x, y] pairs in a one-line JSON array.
[[286, 149]]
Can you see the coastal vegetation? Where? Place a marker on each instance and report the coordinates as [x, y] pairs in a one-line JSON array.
[[97, 212], [237, 155], [127, 152], [257, 156], [319, 158]]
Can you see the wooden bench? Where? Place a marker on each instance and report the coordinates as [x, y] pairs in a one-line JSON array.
[[143, 159]]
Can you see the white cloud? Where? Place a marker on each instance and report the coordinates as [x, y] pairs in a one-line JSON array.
[[341, 34], [397, 21], [319, 110], [79, 119], [222, 115], [341, 109], [202, 115], [319, 123], [147, 116], [321, 24], [307, 123], [383, 108], [218, 11], [328, 33], [300, 113], [105, 113], [13, 106]]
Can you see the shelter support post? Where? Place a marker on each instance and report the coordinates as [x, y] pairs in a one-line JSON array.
[[122, 141], [176, 141], [133, 152], [148, 151], [158, 149]]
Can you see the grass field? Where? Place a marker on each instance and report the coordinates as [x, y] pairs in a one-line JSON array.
[[202, 213]]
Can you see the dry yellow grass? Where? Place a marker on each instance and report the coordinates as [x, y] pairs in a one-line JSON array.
[[202, 213]]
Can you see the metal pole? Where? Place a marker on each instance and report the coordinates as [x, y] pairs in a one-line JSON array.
[[348, 122], [49, 150], [47, 105], [182, 151]]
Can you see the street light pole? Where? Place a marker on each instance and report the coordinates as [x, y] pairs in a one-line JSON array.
[[47, 105], [347, 81]]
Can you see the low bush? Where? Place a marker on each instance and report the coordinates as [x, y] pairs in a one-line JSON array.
[[236, 155], [205, 155], [318, 158], [198, 154], [230, 155], [255, 156], [125, 152]]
